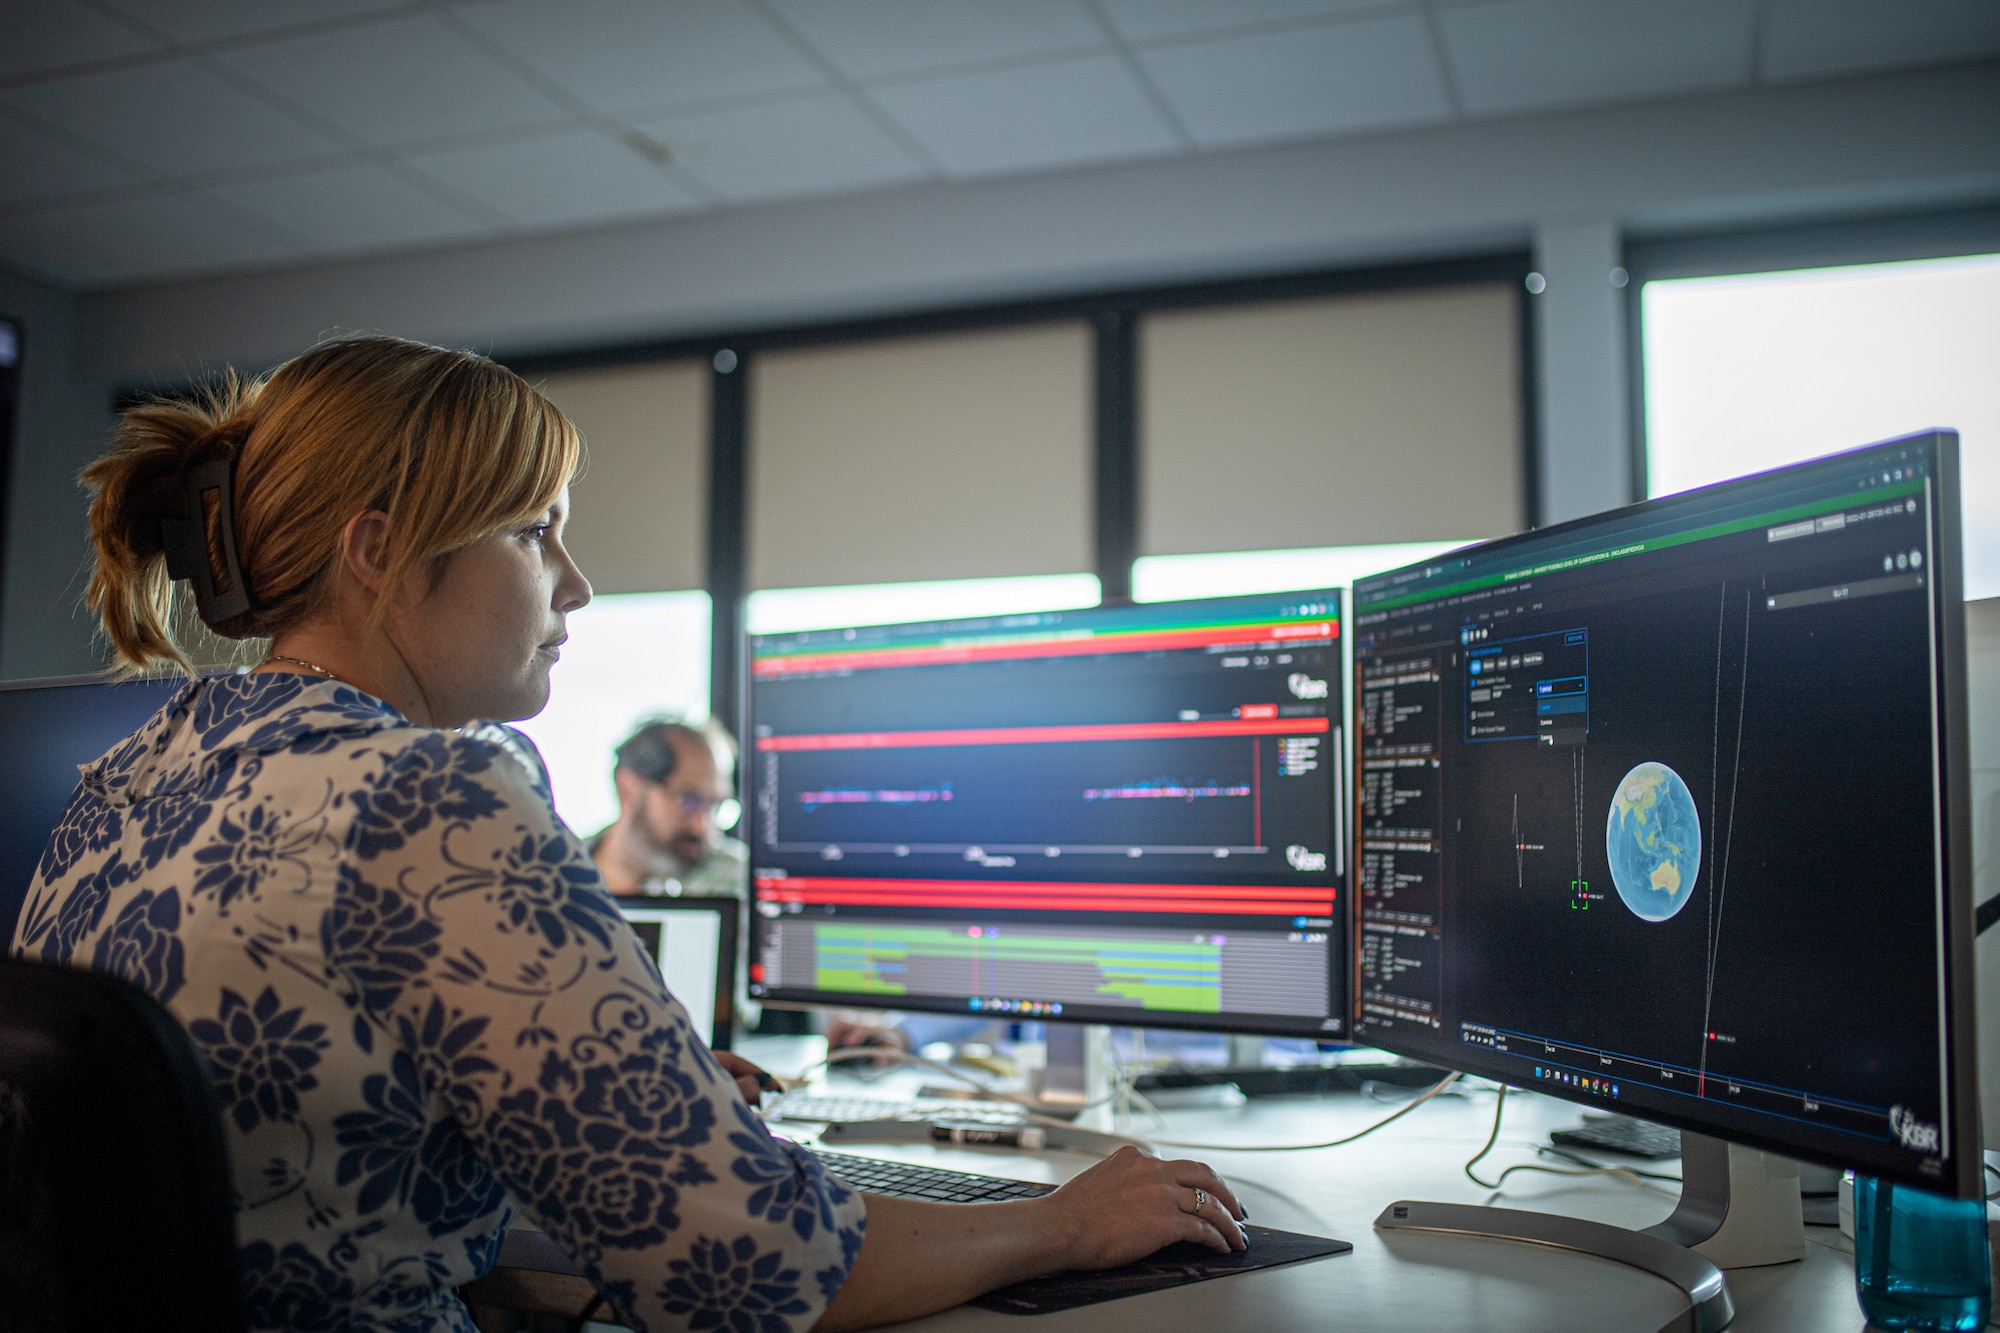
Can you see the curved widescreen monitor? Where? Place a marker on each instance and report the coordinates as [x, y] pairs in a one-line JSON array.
[[1666, 811], [1124, 815]]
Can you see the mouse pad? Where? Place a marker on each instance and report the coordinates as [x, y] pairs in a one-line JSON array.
[[1172, 1267]]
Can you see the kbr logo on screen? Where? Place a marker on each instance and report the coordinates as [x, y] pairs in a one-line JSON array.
[[1303, 860], [1914, 1134], [1303, 686]]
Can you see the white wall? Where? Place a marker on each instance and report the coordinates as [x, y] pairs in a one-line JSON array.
[[1567, 184], [1899, 139], [62, 419]]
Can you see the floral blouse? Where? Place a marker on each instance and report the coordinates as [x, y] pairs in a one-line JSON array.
[[421, 1008]]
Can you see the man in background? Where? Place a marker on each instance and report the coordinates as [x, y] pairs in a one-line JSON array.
[[673, 779], [673, 782]]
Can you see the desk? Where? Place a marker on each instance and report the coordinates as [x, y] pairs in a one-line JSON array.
[[1406, 1282]]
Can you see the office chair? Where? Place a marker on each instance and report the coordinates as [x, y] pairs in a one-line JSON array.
[[115, 1204]]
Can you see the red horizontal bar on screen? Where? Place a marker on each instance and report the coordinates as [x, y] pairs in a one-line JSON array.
[[1090, 731], [1236, 899], [932, 654]]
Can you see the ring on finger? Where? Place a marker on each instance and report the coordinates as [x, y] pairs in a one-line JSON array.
[[1200, 1200]]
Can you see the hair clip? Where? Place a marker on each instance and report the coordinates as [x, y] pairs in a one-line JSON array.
[[202, 547]]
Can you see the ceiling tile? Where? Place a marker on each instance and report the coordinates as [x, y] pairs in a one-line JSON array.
[[1029, 117], [625, 55], [815, 145], [1813, 38], [866, 38], [210, 20], [1151, 20], [36, 248], [351, 208], [1365, 74], [34, 166], [135, 238], [399, 81], [562, 180], [170, 119], [1527, 54], [52, 34]]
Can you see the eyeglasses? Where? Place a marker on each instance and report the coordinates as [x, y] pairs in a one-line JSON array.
[[722, 811], [694, 803]]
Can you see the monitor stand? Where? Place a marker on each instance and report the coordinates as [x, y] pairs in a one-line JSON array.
[[1078, 1073], [1739, 1208]]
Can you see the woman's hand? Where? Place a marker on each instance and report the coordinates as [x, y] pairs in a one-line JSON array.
[[920, 1256], [1129, 1205], [846, 1033], [750, 1080]]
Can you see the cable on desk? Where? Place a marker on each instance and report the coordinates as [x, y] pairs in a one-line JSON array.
[[1391, 1118], [1024, 1100], [1500, 1105], [1551, 1150]]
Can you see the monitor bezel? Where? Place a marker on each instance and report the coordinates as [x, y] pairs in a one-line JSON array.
[[1340, 985], [728, 913], [1962, 1171]]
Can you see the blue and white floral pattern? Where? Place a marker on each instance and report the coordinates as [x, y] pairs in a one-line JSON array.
[[419, 1004]]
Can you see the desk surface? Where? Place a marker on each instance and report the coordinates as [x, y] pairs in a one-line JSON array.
[[1405, 1281]]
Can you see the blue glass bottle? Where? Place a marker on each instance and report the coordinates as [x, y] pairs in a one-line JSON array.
[[1920, 1259]]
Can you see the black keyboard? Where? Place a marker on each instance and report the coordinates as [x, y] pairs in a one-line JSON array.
[[901, 1180], [1623, 1134]]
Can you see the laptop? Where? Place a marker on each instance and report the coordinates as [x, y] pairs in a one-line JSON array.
[[694, 942]]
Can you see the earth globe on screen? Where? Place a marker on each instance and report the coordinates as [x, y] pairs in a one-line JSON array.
[[1653, 838]]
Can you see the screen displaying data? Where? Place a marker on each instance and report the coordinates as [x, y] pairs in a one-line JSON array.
[[1130, 815], [1658, 810], [693, 940]]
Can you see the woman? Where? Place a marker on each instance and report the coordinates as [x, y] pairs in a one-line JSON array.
[[420, 1006]]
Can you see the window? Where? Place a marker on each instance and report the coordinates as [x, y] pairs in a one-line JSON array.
[[1757, 370], [1175, 578], [789, 610], [630, 657]]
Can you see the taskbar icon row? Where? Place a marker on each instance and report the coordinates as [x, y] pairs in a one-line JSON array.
[[1023, 1008]]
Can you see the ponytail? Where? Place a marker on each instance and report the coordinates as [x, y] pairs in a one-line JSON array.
[[136, 487]]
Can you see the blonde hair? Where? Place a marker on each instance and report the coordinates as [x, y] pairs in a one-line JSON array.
[[451, 446]]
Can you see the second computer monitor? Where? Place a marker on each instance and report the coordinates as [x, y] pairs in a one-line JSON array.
[[1124, 815], [1665, 810], [693, 940]]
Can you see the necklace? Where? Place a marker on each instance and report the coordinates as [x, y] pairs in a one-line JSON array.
[[313, 667]]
